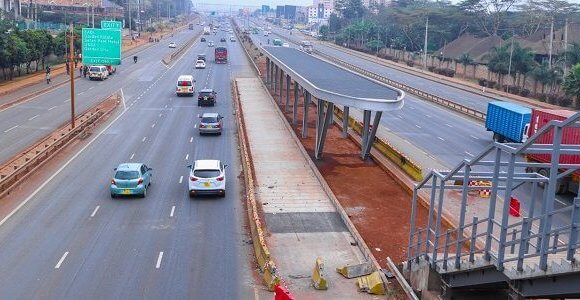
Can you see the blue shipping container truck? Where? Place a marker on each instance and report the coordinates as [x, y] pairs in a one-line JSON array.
[[508, 121]]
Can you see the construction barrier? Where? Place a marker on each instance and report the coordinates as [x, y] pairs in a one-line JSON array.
[[372, 284], [514, 207], [281, 293], [352, 271], [318, 277]]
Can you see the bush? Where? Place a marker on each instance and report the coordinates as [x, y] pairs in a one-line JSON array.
[[447, 72], [491, 84], [552, 99], [410, 63], [482, 81], [543, 97], [565, 102], [525, 92], [431, 69]]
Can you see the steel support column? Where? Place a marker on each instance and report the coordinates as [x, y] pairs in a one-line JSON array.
[[271, 75], [492, 204], [281, 85], [365, 129], [287, 93], [276, 80], [367, 142], [295, 105], [345, 116], [323, 120], [267, 70], [305, 115]]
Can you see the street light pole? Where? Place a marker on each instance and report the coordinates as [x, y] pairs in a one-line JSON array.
[[72, 77], [425, 47]]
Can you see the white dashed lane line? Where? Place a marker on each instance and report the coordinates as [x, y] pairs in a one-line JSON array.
[[11, 128], [191, 140], [417, 126], [441, 138], [52, 107], [61, 260], [144, 139], [181, 179], [172, 211], [153, 126], [132, 155], [474, 137], [95, 211], [448, 125], [30, 119], [187, 157], [468, 153], [159, 258]]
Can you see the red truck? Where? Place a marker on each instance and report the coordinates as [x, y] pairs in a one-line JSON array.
[[570, 136], [221, 55]]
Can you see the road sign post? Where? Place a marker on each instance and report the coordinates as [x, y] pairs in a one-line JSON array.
[[101, 46]]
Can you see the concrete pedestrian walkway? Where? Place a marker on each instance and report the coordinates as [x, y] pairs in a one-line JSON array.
[[301, 220]]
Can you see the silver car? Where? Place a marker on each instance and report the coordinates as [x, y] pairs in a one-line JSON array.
[[210, 123]]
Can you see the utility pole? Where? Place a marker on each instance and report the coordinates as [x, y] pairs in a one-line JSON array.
[[510, 63], [139, 15], [565, 49], [425, 47], [93, 15], [551, 42], [130, 28], [72, 77]]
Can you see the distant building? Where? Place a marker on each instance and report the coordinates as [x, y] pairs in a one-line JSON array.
[[279, 11], [289, 12], [265, 9]]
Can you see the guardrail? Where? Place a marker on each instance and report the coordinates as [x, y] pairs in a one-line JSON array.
[[15, 170]]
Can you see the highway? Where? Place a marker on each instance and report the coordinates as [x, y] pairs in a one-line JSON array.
[[26, 123], [71, 240], [442, 135]]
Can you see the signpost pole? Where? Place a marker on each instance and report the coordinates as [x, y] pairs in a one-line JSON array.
[[72, 77]]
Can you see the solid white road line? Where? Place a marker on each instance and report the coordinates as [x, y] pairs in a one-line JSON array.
[[61, 260], [132, 155], [187, 157], [30, 119], [95, 211], [181, 179], [400, 117], [428, 116], [13, 127], [52, 107], [172, 211], [38, 189], [159, 258]]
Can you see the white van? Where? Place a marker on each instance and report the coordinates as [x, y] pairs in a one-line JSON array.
[[98, 72], [185, 85]]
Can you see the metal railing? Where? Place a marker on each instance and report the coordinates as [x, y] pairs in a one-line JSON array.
[[505, 241]]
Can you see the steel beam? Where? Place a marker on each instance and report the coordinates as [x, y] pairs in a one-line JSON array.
[[281, 85], [370, 136], [275, 80], [287, 93], [267, 70], [323, 120], [365, 131], [345, 116], [305, 115], [295, 105]]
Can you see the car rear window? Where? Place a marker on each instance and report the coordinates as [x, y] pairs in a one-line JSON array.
[[209, 120], [204, 94], [206, 173], [184, 83], [95, 69], [126, 175]]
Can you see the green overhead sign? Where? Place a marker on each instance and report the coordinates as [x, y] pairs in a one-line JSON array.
[[101, 46], [111, 25]]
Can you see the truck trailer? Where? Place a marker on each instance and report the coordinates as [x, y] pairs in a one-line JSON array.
[[221, 55], [206, 30], [508, 121]]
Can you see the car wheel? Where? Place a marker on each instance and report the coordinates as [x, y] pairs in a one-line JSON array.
[[219, 133], [198, 104], [150, 181], [222, 195], [144, 193], [113, 196], [191, 194]]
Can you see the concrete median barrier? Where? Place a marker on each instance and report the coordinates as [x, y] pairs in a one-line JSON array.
[[353, 271], [372, 284], [318, 277]]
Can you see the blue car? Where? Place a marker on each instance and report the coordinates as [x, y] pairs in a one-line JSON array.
[[131, 179]]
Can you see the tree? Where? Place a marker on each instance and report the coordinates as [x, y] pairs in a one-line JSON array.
[[571, 85], [499, 62], [323, 32], [571, 56], [488, 14], [465, 60], [350, 9], [334, 23]]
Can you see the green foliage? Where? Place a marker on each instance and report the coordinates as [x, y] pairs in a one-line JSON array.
[[571, 85], [375, 45], [151, 29], [350, 9], [323, 33]]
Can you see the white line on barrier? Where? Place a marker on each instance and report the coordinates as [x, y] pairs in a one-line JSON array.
[[159, 258], [33, 117], [172, 211], [61, 260], [13, 127], [95, 211], [181, 179]]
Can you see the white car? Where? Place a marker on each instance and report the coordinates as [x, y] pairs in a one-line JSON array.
[[172, 45], [210, 44], [207, 177], [232, 38], [200, 64]]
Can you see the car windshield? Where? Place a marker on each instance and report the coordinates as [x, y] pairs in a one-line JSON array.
[[184, 83], [125, 175], [206, 173], [209, 120], [204, 94], [95, 69], [200, 61]]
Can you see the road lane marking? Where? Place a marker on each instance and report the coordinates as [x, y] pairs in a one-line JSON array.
[[191, 140], [61, 260], [400, 117], [187, 157], [68, 162], [448, 125], [159, 258], [30, 119], [153, 126], [194, 126], [123, 98], [181, 179], [165, 105], [13, 127], [172, 211], [144, 138], [468, 153], [132, 155], [160, 115], [80, 93], [441, 138], [474, 137], [428, 116], [66, 100], [417, 126], [95, 211], [92, 87], [52, 107]]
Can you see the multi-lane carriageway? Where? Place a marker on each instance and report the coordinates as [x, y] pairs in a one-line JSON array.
[[70, 240]]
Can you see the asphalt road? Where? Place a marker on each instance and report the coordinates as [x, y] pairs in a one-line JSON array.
[[71, 240], [442, 135], [26, 123]]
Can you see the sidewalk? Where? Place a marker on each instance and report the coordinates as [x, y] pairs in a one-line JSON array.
[[301, 220]]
